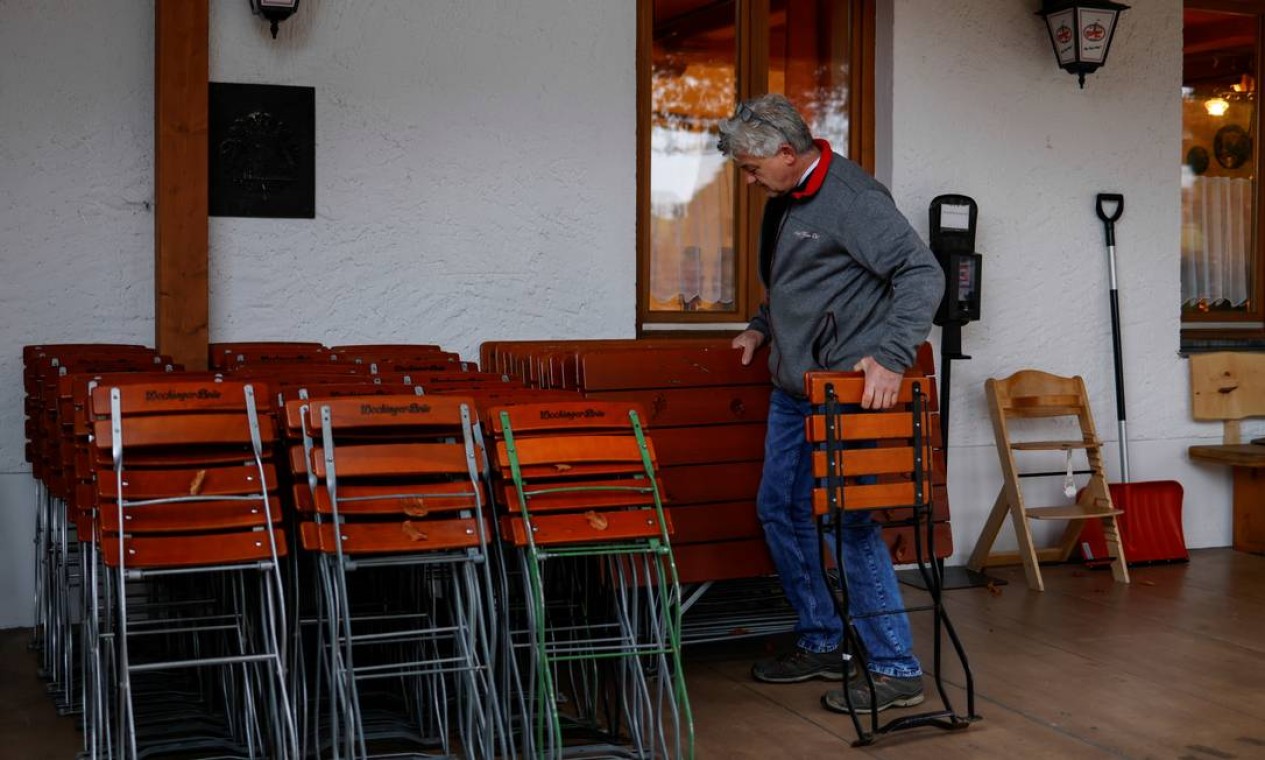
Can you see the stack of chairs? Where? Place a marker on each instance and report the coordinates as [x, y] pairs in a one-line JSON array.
[[598, 635], [191, 628], [882, 461], [82, 509], [390, 496], [48, 371], [708, 413]]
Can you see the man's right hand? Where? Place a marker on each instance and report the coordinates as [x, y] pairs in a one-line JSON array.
[[748, 341]]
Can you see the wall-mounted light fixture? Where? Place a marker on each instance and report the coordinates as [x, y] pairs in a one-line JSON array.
[[1081, 32], [274, 11]]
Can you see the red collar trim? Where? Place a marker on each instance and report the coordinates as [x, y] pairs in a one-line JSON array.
[[818, 177]]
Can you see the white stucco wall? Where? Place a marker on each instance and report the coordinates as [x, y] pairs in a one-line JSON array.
[[76, 229], [474, 166], [980, 108], [475, 179]]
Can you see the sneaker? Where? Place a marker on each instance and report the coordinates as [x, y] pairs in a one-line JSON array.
[[800, 665], [889, 691]]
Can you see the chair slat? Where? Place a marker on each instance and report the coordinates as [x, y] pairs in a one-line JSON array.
[[564, 450], [394, 460], [849, 387], [415, 499], [184, 429], [564, 416], [393, 537], [575, 528], [188, 551], [202, 481], [876, 461], [188, 517]]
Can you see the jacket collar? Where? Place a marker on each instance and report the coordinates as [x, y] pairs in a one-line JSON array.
[[818, 176]]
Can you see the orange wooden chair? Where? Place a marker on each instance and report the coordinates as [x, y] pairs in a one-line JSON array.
[[188, 523], [883, 460], [390, 493]]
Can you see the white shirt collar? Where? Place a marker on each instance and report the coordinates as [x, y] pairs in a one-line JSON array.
[[808, 172]]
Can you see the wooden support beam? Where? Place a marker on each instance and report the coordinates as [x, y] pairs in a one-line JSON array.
[[181, 295]]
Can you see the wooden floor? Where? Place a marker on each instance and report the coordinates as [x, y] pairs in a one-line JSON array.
[[1172, 666]]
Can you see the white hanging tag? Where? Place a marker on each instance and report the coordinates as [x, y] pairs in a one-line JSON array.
[[1069, 485]]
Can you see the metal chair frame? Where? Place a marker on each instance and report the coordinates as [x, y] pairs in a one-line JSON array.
[[445, 604], [224, 631]]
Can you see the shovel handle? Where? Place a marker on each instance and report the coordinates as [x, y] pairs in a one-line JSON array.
[[1109, 220]]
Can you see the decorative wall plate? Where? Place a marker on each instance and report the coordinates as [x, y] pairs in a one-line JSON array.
[[1232, 146]]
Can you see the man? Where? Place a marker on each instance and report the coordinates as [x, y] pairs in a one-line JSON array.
[[849, 286]]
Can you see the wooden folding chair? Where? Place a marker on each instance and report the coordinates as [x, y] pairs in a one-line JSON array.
[[601, 622], [391, 499], [882, 460], [1025, 397], [187, 519]]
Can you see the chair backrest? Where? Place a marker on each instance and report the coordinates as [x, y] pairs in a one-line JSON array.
[[577, 472], [80, 459], [1227, 386], [1054, 415], [1033, 393], [869, 459], [183, 476], [399, 473]]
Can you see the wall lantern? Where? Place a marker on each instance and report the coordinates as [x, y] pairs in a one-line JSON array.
[[1081, 32], [275, 11]]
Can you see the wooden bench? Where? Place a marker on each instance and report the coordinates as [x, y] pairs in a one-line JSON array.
[[1230, 386]]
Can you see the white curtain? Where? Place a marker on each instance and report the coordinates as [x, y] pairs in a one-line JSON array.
[[1216, 241], [691, 201]]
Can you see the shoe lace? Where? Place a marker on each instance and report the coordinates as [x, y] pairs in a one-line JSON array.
[[794, 656]]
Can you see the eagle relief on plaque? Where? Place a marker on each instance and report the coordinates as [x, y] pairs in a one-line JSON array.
[[262, 150]]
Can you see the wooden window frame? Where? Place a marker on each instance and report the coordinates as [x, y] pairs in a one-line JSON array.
[[1218, 328], [752, 68]]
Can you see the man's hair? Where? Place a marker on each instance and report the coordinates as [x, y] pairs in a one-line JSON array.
[[761, 125]]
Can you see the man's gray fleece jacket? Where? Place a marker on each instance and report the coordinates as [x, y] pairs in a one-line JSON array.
[[846, 276]]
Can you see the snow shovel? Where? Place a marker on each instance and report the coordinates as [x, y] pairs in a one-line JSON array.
[[1151, 526]]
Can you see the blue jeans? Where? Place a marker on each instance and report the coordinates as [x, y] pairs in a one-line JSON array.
[[784, 505]]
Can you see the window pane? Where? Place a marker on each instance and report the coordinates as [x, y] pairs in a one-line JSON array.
[[692, 265], [1219, 114], [809, 61]]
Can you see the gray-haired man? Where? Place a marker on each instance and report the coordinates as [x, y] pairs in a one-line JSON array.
[[850, 286]]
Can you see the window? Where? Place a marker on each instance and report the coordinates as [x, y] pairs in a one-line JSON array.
[[698, 223], [1223, 249]]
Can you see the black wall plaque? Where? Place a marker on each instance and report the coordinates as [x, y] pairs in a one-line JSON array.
[[262, 150]]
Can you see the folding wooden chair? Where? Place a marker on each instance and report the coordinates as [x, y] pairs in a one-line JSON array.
[[391, 502], [882, 460], [82, 509], [602, 615], [188, 524], [1039, 402]]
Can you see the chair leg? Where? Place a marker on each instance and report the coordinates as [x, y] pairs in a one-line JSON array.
[[1111, 532], [988, 536], [1027, 551]]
